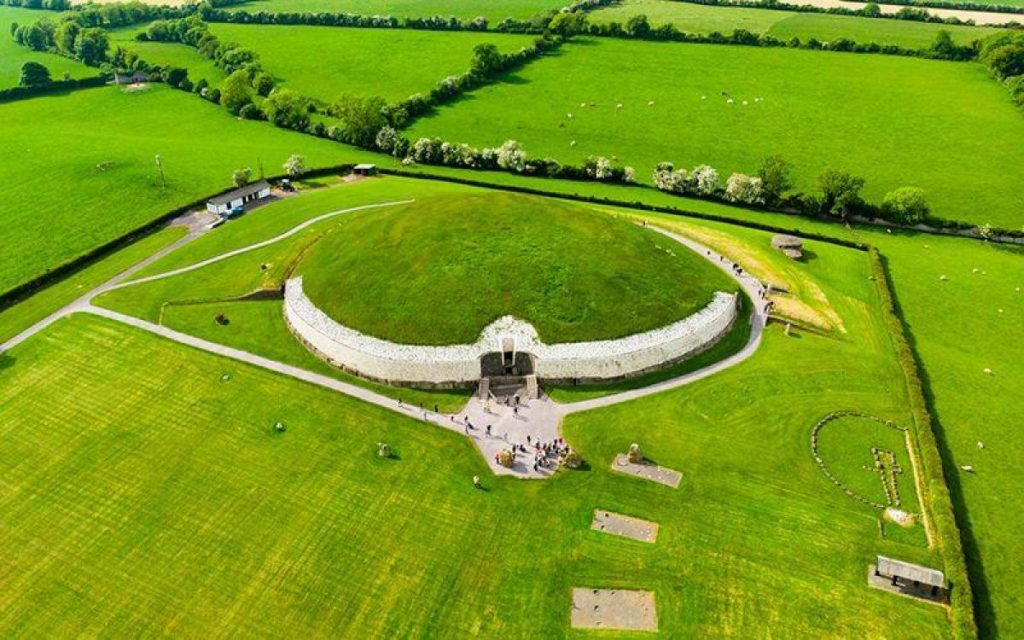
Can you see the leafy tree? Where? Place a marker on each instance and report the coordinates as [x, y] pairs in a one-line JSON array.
[[872, 10], [65, 36], [486, 59], [34, 74], [285, 108], [263, 83], [91, 46], [295, 166], [251, 112], [840, 192], [241, 177], [235, 93], [363, 118], [568, 23], [637, 26], [175, 76], [906, 205], [774, 174], [32, 36]]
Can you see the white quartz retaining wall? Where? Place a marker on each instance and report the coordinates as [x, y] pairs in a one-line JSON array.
[[460, 364]]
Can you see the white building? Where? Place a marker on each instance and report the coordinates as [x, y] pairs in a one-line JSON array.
[[225, 202]]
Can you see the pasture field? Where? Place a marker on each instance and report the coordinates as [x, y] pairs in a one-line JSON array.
[[192, 470], [22, 315], [13, 55], [328, 62], [940, 119], [698, 18], [440, 270], [59, 205], [168, 54], [494, 10]]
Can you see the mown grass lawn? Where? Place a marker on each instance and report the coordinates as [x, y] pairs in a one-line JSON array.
[[150, 499], [698, 18], [945, 127], [329, 62], [79, 169], [13, 55], [441, 269], [493, 10]]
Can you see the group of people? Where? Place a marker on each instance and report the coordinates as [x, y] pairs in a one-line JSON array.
[[546, 455]]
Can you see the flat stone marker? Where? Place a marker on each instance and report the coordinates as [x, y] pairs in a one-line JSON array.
[[613, 609], [652, 472], [625, 526]]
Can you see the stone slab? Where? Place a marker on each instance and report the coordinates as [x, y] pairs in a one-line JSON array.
[[617, 524], [620, 609], [652, 472]]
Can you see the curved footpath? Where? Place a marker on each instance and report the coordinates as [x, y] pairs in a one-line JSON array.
[[540, 419]]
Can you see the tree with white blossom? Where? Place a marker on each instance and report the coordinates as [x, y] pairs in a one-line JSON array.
[[704, 179], [744, 189], [511, 156]]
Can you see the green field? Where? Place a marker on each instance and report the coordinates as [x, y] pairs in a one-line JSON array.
[[698, 18], [493, 10], [941, 119], [329, 62], [235, 525], [59, 205], [168, 54], [440, 270], [13, 55]]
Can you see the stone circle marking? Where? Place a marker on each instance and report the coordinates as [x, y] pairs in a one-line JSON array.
[[624, 526]]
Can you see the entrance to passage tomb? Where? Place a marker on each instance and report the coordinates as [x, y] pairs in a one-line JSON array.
[[505, 364]]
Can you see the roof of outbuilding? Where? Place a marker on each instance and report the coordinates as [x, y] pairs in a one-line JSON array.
[[241, 192], [908, 571]]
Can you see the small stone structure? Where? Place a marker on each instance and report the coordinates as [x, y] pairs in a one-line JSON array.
[[652, 472], [908, 579], [792, 246], [617, 524], [507, 342], [634, 454], [621, 609]]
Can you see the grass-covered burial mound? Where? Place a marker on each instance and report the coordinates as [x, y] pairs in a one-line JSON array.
[[441, 269]]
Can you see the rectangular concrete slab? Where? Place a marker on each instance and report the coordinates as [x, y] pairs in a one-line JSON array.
[[652, 472], [617, 524], [620, 609]]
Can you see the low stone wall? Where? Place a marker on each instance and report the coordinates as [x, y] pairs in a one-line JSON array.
[[459, 365]]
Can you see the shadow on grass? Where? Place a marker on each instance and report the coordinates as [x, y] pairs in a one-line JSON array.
[[984, 612], [6, 360]]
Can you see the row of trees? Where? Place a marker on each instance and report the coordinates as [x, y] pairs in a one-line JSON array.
[[487, 63], [1003, 54], [537, 24], [839, 191], [638, 27]]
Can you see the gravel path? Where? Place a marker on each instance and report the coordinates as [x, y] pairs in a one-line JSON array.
[[539, 419]]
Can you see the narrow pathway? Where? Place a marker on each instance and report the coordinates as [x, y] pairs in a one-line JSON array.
[[983, 18], [538, 419]]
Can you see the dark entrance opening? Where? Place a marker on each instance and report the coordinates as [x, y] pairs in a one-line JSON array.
[[501, 364]]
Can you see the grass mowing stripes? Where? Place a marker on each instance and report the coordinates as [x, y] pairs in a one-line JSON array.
[[58, 205]]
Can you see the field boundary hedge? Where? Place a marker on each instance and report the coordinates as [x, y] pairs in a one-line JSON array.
[[937, 498], [20, 93], [625, 204]]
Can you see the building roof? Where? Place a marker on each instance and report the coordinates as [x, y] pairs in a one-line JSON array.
[[907, 571], [366, 166], [241, 192]]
